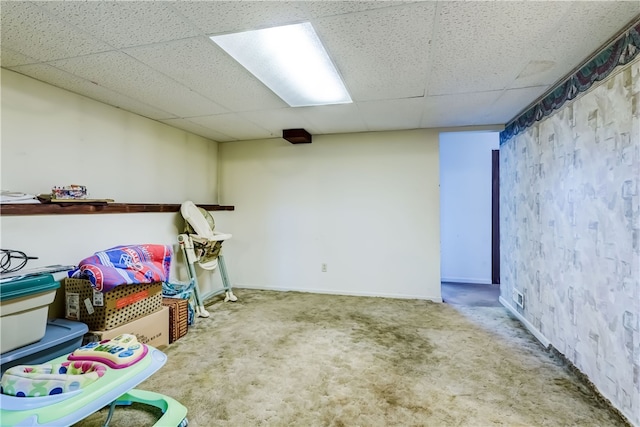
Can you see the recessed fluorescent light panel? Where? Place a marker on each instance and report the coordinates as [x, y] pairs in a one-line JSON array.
[[291, 61]]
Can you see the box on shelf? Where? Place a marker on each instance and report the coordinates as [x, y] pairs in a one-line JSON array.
[[108, 310], [62, 336], [178, 317], [24, 307], [152, 330]]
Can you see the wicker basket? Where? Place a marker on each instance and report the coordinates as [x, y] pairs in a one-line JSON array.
[[104, 311], [178, 317]]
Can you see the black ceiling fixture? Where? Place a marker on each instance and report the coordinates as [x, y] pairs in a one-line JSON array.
[[297, 136]]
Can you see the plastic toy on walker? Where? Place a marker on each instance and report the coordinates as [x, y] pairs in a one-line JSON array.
[[71, 387]]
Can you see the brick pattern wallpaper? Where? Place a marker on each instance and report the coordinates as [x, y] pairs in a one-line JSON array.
[[570, 232]]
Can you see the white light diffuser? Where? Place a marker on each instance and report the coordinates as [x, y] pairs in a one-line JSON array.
[[289, 60]]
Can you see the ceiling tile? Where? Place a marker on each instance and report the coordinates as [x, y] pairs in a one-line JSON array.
[[588, 25], [381, 53], [481, 46], [197, 129], [457, 110], [33, 32], [235, 126], [540, 72], [124, 23], [64, 80], [392, 114], [323, 8], [123, 74], [511, 102], [11, 58], [205, 68], [341, 118], [276, 120], [584, 28], [214, 17]]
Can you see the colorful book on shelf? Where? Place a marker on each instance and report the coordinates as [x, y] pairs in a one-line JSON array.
[[47, 198]]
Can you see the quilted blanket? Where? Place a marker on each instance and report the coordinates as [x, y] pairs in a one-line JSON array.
[[125, 265]]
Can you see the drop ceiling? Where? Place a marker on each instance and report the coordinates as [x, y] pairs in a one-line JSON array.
[[406, 64]]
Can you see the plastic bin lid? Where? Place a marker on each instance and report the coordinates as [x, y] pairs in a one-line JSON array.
[[59, 331], [18, 287]]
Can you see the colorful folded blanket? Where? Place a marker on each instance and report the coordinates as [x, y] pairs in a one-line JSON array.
[[125, 265]]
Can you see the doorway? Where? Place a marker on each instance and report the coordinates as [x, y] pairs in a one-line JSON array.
[[469, 235]]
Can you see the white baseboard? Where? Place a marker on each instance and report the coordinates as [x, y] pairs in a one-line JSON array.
[[331, 292], [471, 280], [536, 333]]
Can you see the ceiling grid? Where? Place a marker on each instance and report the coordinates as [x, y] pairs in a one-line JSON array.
[[406, 64]]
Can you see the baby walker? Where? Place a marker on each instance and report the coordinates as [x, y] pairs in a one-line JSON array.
[[202, 245], [69, 388]]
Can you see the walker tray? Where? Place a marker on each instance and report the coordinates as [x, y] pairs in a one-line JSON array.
[[125, 364]]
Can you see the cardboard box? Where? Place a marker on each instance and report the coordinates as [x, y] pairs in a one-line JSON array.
[[102, 311], [152, 330]]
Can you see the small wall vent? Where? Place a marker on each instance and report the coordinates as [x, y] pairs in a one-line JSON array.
[[518, 298]]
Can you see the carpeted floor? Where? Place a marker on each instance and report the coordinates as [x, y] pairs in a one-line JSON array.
[[299, 359]]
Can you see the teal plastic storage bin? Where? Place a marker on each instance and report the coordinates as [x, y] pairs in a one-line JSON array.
[[24, 306]]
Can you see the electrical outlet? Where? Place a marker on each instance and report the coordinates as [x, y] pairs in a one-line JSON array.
[[324, 267]]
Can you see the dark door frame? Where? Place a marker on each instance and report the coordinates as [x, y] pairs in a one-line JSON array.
[[495, 217]]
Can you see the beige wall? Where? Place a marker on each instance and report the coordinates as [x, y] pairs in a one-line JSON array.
[[53, 137], [367, 205]]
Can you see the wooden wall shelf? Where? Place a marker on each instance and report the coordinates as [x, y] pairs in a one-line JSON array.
[[83, 209]]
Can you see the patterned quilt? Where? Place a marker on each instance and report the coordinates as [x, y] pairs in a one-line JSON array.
[[125, 265]]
